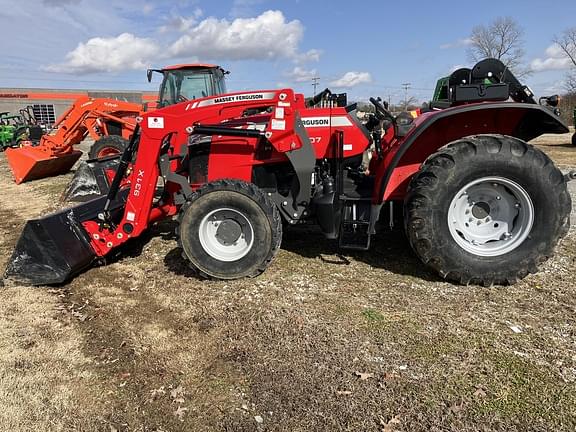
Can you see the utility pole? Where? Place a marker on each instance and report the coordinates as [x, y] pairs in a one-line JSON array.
[[315, 82], [406, 87]]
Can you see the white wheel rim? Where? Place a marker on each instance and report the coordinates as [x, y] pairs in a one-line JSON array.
[[226, 234], [490, 216]]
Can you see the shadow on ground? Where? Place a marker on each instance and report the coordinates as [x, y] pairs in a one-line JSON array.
[[389, 251]]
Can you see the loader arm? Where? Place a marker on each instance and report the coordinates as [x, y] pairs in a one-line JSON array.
[[164, 133], [81, 119], [55, 153]]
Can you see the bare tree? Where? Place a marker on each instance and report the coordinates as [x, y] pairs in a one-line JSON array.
[[567, 43], [502, 40]]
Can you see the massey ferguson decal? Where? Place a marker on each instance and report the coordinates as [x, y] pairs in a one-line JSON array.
[[231, 99], [337, 121], [315, 122]]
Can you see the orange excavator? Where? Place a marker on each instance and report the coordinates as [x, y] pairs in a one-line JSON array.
[[109, 122]]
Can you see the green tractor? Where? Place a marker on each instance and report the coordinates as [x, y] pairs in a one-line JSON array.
[[16, 128], [8, 125]]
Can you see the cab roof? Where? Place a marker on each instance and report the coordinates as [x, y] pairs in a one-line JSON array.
[[192, 66]]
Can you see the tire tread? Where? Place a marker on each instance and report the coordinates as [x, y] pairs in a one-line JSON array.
[[443, 164]]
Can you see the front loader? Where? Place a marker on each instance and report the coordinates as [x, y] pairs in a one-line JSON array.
[[55, 153], [480, 204]]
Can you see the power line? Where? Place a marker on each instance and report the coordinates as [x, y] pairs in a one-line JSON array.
[[315, 83], [406, 87]]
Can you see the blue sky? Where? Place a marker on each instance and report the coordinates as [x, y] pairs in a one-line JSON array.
[[366, 48]]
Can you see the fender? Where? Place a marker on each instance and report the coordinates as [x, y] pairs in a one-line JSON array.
[[436, 129]]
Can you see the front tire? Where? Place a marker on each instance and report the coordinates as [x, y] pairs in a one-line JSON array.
[[229, 230], [574, 139], [487, 209], [108, 146]]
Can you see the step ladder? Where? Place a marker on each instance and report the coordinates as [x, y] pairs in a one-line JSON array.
[[355, 224]]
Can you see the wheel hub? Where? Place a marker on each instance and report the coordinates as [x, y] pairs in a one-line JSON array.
[[490, 216], [481, 210], [226, 234]]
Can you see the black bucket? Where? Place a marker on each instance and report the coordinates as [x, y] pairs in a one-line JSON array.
[[91, 179], [53, 249], [50, 250]]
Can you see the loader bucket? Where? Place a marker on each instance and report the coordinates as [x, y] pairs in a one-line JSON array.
[[92, 179], [51, 249], [31, 163]]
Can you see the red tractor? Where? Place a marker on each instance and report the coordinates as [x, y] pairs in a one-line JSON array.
[[480, 204]]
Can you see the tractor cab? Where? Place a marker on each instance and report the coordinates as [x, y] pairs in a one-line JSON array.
[[189, 81]]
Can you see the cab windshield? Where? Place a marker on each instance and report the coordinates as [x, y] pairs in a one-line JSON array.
[[182, 85]]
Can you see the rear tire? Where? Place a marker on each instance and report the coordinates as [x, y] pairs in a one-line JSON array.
[[465, 194], [229, 229], [107, 146]]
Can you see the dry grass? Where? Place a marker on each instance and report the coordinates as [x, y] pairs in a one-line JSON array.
[[363, 341]]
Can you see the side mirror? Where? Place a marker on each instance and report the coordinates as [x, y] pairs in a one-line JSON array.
[[149, 74]]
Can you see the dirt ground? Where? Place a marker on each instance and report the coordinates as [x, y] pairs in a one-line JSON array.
[[321, 341]]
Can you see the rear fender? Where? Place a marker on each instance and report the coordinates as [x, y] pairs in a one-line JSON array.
[[436, 129]]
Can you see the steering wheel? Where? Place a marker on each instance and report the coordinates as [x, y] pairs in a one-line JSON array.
[[381, 112], [181, 98]]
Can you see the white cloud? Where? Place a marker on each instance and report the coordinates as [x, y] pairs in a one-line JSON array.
[[299, 74], [555, 60], [352, 79], [268, 36], [308, 56], [180, 23], [112, 54], [457, 44]]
